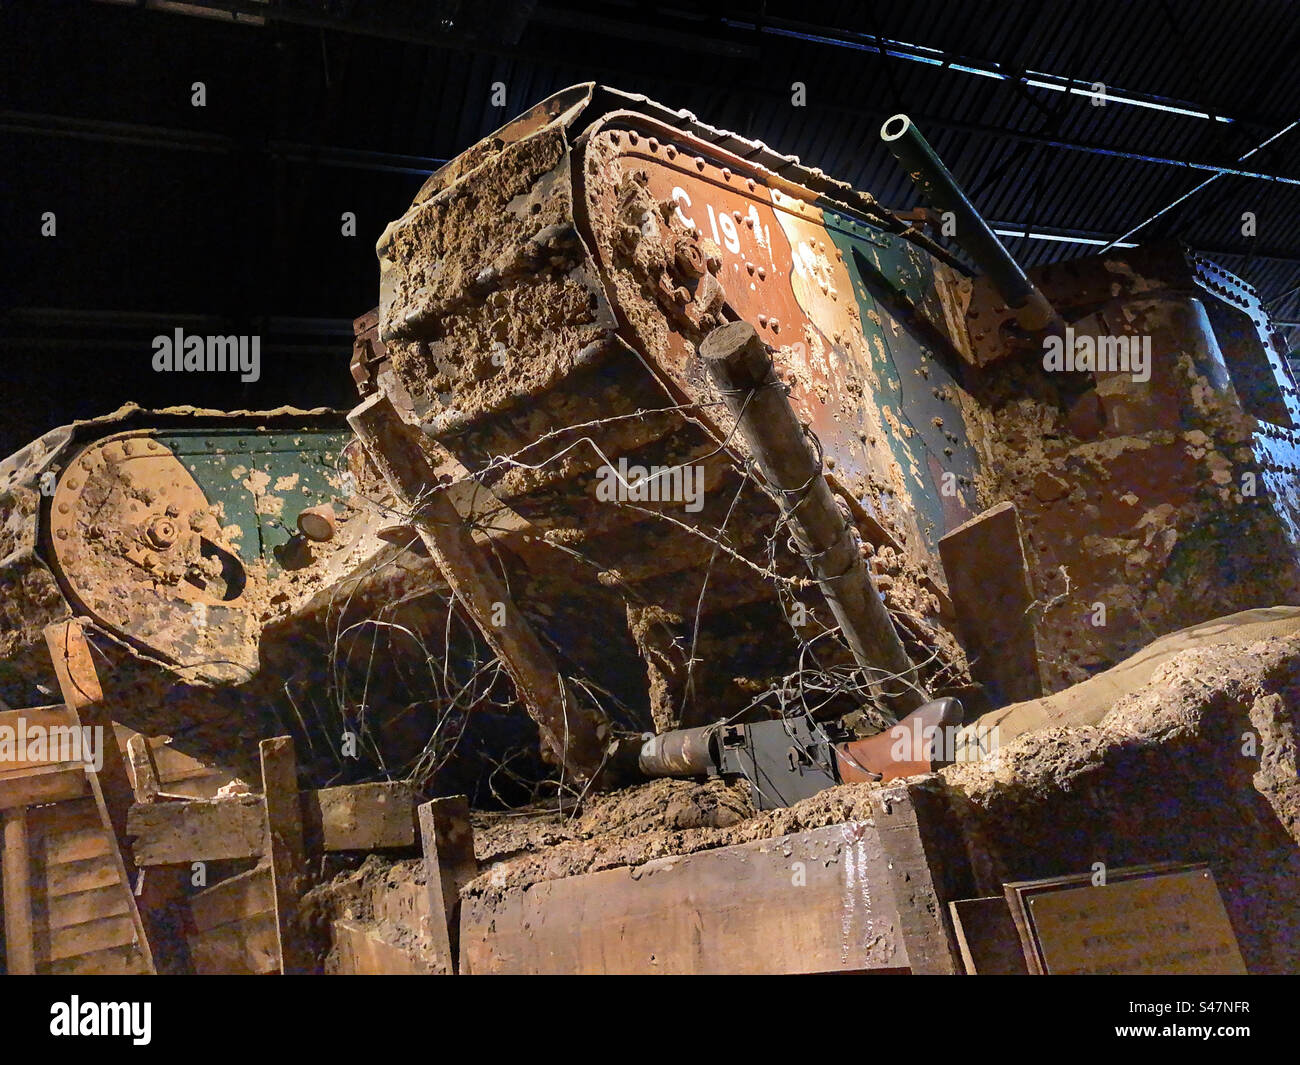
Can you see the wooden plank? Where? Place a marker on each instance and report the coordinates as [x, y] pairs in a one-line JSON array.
[[249, 947], [177, 833], [285, 850], [574, 736], [816, 901], [174, 765], [65, 911], [110, 784], [74, 845], [144, 774], [204, 788], [361, 817], [46, 784], [450, 864], [91, 937], [113, 794], [37, 715], [236, 899], [917, 887], [73, 877], [163, 893], [181, 774], [358, 951], [197, 772], [356, 817], [988, 578], [113, 961], [16, 877], [70, 816], [987, 938], [157, 769], [74, 667], [20, 731]]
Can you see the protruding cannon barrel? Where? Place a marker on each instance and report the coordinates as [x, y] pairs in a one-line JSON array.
[[1034, 313]]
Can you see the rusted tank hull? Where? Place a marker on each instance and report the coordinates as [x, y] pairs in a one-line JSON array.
[[1148, 505], [543, 300], [171, 534]]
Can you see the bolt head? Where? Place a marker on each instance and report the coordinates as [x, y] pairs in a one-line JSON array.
[[317, 523], [689, 258], [162, 533]]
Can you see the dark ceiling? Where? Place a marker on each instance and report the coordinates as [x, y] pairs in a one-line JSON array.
[[173, 215]]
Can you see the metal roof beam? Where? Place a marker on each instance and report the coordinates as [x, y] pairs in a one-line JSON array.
[[159, 137], [1065, 235], [1208, 181], [94, 129]]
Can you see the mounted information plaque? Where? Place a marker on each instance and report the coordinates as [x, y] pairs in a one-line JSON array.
[[1154, 919]]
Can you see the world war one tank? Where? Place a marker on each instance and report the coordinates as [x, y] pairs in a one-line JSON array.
[[661, 428]]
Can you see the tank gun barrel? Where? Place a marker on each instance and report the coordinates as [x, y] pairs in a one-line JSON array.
[[1033, 311]]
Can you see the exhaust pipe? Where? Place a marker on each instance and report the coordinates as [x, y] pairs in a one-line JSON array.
[[1033, 312]]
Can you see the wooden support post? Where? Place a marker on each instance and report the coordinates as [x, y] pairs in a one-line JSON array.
[[147, 785], [988, 577], [449, 865], [20, 947], [73, 665], [923, 875], [110, 783], [573, 735], [285, 851], [742, 370]]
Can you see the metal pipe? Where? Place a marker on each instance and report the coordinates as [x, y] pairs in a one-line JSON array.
[[1033, 312], [686, 752], [741, 367]]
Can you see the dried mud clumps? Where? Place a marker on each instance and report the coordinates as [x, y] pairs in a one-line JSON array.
[[634, 826], [1198, 765], [662, 274], [487, 294], [387, 903], [1131, 498], [29, 597]]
